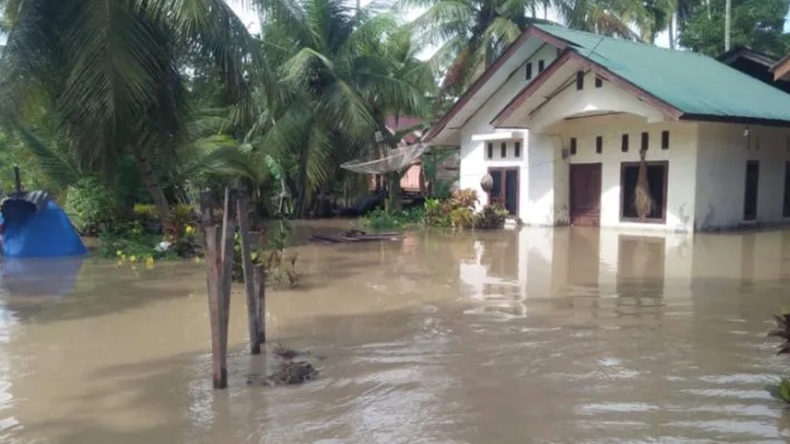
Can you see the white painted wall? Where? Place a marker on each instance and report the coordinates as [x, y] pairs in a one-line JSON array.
[[635, 118], [544, 189], [681, 156], [721, 172], [474, 164]]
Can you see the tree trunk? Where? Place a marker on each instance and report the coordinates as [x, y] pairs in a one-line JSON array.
[[672, 31], [727, 24], [152, 183], [300, 202], [393, 198], [423, 185]]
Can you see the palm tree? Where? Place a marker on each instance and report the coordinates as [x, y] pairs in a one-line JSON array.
[[337, 79], [107, 73], [472, 33], [614, 18]]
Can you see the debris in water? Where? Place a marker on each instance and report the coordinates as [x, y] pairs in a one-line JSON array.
[[356, 236], [292, 372], [782, 331], [288, 373]]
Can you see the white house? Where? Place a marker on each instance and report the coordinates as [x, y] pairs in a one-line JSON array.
[[560, 118]]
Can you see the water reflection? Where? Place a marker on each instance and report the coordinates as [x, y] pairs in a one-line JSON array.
[[39, 277], [531, 335]]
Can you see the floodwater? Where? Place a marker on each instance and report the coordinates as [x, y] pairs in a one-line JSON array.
[[529, 336]]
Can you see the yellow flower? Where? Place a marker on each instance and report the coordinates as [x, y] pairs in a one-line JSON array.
[[119, 253], [189, 229], [132, 259], [149, 262]]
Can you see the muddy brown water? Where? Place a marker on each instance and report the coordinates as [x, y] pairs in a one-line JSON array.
[[530, 336]]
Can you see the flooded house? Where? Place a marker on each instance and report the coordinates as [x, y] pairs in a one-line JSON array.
[[564, 120]]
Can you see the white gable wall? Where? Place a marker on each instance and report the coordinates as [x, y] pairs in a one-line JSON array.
[[474, 164], [549, 180], [681, 156], [721, 173]]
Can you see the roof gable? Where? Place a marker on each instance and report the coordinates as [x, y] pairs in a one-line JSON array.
[[490, 81], [746, 53], [696, 85]]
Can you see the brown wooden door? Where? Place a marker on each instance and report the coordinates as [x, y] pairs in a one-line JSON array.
[[585, 195]]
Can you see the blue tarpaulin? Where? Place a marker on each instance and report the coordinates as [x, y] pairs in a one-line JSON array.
[[37, 227]]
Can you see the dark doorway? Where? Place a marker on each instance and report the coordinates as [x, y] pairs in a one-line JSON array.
[[750, 195], [506, 188], [585, 194], [657, 173]]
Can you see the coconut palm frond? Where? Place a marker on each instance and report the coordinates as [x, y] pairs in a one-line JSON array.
[[503, 30], [59, 168]]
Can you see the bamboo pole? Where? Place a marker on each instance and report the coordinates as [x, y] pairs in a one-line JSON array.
[[249, 277]]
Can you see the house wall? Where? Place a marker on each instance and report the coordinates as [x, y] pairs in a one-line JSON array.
[[409, 182], [609, 112], [681, 156], [474, 164], [721, 172]]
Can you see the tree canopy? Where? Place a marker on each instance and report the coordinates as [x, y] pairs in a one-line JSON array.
[[758, 24]]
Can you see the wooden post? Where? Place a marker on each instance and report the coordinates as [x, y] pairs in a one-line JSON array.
[[219, 359], [249, 277], [260, 276], [228, 237], [219, 263]]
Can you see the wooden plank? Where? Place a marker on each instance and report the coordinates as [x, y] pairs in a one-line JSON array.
[[214, 270], [249, 278]]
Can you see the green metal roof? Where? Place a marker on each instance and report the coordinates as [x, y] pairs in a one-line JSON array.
[[691, 82]]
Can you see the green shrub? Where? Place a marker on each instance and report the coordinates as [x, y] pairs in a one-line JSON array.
[[466, 198], [145, 212], [492, 217], [130, 239], [91, 205], [379, 219], [462, 218], [436, 214]]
